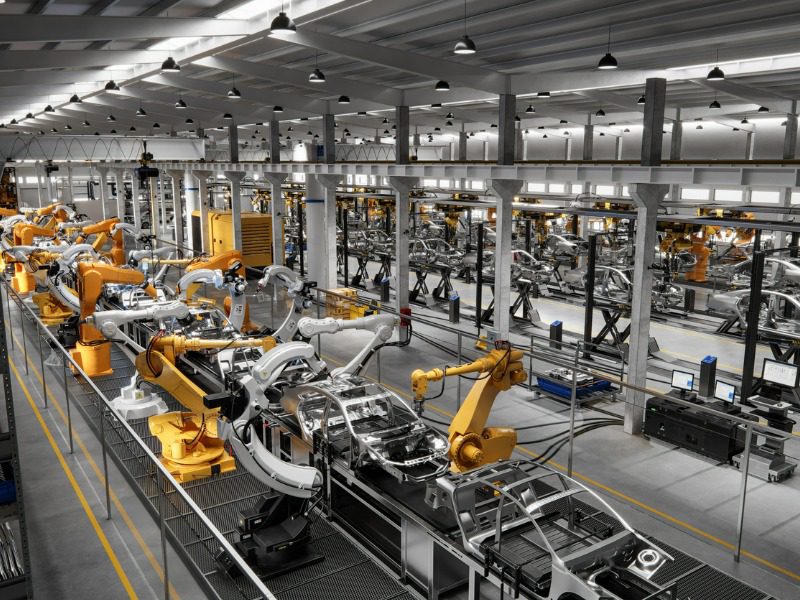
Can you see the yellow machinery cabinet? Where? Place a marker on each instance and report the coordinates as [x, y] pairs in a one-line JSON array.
[[256, 235]]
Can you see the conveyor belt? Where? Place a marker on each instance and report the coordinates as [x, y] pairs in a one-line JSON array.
[[346, 572]]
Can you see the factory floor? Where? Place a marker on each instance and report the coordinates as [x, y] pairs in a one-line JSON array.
[[671, 494], [76, 552]]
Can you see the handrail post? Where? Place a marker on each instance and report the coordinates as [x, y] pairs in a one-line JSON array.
[[745, 467], [69, 411], [572, 401], [41, 363]]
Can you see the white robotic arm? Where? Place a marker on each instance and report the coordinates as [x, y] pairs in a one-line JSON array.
[[199, 276], [108, 322], [296, 288], [236, 287], [74, 224], [138, 255], [381, 325]]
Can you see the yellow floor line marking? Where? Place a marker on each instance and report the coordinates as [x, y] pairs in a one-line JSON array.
[[623, 496], [114, 498], [78, 492]]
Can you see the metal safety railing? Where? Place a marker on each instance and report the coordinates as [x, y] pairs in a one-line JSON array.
[[169, 491]]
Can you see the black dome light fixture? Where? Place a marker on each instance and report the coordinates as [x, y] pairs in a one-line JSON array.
[[156, 126], [113, 131], [716, 74], [53, 130], [715, 105], [68, 127], [282, 23], [49, 109], [277, 109], [75, 99], [180, 104], [442, 86], [763, 109], [170, 65], [234, 93], [112, 86], [641, 100], [86, 124], [542, 94], [189, 121], [344, 100], [111, 119], [228, 117], [132, 128], [600, 113], [29, 115], [140, 112], [465, 45], [608, 62], [530, 109]]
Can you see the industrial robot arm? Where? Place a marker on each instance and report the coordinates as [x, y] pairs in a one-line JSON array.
[[381, 325], [296, 288], [472, 444], [235, 284], [108, 322]]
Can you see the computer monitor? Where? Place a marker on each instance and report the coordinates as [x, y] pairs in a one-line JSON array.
[[683, 381], [780, 373], [724, 391]]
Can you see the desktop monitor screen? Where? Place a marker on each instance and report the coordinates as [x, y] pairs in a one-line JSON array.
[[780, 373], [724, 391], [682, 380]]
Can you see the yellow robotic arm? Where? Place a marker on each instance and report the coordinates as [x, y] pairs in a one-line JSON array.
[[472, 444]]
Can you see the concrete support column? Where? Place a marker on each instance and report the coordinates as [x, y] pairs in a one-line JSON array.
[[790, 136], [103, 175], [321, 229], [618, 148], [190, 190], [655, 93], [119, 176], [519, 144], [235, 177], [48, 182], [277, 208], [647, 197], [274, 141], [329, 138], [588, 141], [507, 110], [39, 169], [177, 207], [137, 207], [402, 187], [68, 196], [205, 235], [567, 148], [462, 146], [161, 199], [403, 122], [505, 189], [749, 144], [233, 142]]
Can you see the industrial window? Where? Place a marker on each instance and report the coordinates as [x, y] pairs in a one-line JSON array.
[[30, 180], [476, 184], [444, 183], [299, 177], [556, 188], [577, 188], [765, 197], [429, 183], [688, 193], [349, 180], [362, 179], [728, 195], [537, 187], [795, 198], [604, 190], [626, 191], [255, 176]]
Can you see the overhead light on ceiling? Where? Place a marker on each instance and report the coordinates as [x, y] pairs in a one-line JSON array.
[[140, 112], [111, 118], [530, 109], [96, 133], [112, 86], [600, 113], [189, 121], [316, 136], [716, 74], [566, 133], [735, 129], [715, 105], [544, 137], [344, 100], [439, 128], [542, 94], [517, 119], [49, 109], [53, 130], [449, 124], [180, 104], [563, 121], [641, 99], [170, 65], [442, 86], [699, 127], [29, 115], [41, 132], [763, 109], [132, 128], [465, 45], [68, 127], [783, 123], [277, 109], [292, 129], [608, 61], [113, 131], [310, 133], [12, 122], [228, 117], [75, 99], [316, 76], [745, 121], [86, 124], [602, 134], [282, 23], [234, 93], [362, 113], [626, 130], [156, 126], [385, 132]]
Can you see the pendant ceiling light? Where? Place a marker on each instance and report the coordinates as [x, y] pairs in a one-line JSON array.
[[763, 109], [49, 109], [316, 76], [344, 100], [608, 61], [29, 115], [156, 126], [449, 116], [233, 93], [530, 109], [228, 117], [170, 65], [140, 112], [75, 99], [277, 109], [113, 131], [442, 86], [715, 74], [600, 113], [111, 118], [68, 127], [641, 99], [189, 121], [132, 128], [715, 105], [53, 130], [465, 45], [86, 124], [542, 94], [112, 86], [282, 23], [180, 104]]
